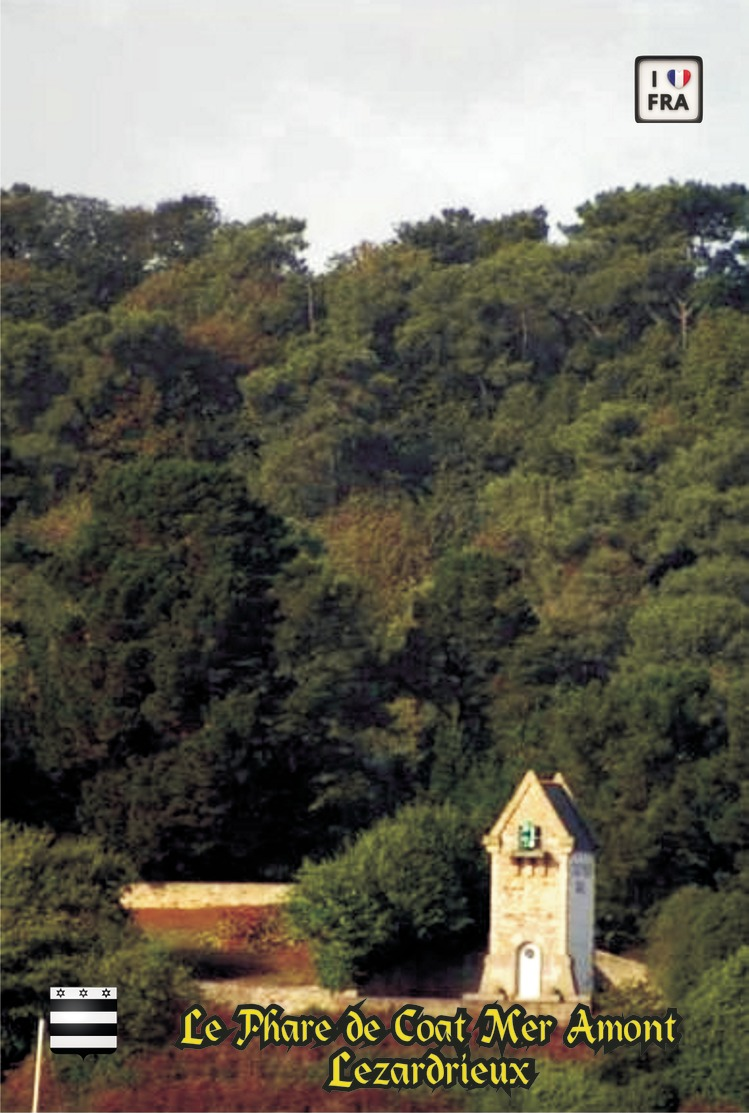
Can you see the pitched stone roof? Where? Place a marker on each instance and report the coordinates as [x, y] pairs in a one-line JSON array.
[[564, 806], [556, 796]]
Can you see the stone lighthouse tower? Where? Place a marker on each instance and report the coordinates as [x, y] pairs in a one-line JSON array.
[[542, 897]]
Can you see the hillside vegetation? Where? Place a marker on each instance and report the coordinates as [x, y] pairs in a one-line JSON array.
[[287, 552]]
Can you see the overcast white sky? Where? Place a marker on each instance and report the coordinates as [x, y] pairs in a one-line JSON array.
[[358, 114]]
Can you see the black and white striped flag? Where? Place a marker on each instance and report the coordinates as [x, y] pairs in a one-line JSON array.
[[83, 1019]]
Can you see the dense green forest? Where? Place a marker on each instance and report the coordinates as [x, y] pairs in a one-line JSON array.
[[287, 552]]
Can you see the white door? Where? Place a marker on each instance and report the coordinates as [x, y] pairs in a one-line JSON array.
[[529, 972]]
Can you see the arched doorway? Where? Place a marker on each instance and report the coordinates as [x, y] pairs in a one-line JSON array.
[[529, 972]]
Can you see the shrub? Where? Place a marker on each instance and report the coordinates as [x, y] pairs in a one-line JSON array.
[[63, 925], [412, 879], [714, 1055], [693, 929]]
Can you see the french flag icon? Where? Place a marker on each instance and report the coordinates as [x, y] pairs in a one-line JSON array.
[[678, 78]]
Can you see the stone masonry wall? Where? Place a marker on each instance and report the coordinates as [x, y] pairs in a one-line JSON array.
[[528, 897], [184, 894]]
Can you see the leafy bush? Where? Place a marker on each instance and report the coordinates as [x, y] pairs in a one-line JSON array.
[[583, 1086], [695, 928], [412, 879], [63, 925], [714, 1055]]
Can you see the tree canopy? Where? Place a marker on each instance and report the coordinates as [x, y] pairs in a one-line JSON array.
[[63, 925], [286, 552]]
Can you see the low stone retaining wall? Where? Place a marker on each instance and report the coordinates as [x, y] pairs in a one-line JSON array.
[[619, 972], [197, 894], [313, 998]]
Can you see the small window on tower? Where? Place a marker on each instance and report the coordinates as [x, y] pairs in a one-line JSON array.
[[529, 836]]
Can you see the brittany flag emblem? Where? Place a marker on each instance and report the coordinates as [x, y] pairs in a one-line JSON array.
[[678, 78], [83, 1019]]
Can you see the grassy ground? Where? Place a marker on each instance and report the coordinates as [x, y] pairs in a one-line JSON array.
[[244, 950], [231, 942], [220, 1079]]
